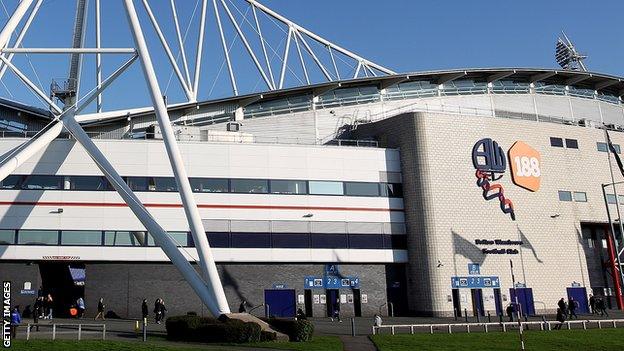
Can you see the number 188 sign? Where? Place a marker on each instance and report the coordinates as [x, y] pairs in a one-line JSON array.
[[525, 166]]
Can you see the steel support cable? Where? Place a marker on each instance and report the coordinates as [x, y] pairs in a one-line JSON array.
[[186, 31]]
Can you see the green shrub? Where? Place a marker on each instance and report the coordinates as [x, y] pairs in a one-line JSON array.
[[297, 330], [194, 328], [267, 336]]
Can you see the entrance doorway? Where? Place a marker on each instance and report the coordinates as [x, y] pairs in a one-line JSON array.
[[333, 302], [308, 302], [525, 299], [457, 303], [281, 302], [498, 302], [579, 294], [65, 282], [357, 302], [477, 302]]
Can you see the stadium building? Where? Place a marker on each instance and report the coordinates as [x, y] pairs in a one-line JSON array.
[[402, 194]]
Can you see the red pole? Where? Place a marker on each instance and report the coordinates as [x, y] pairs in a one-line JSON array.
[[614, 271]]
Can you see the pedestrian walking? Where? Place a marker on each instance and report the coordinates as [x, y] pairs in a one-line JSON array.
[[144, 311], [163, 310], [592, 304], [37, 309], [562, 305], [510, 311], [157, 311], [100, 309], [300, 314], [601, 305], [80, 305], [16, 320], [377, 321], [243, 307], [49, 306], [572, 305], [561, 317]]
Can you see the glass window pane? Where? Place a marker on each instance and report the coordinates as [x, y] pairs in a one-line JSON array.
[[366, 241], [361, 189], [251, 240], [124, 238], [206, 185], [325, 188], [617, 148], [7, 237], [395, 242], [255, 186], [43, 182], [11, 182], [180, 239], [571, 143], [601, 147], [165, 184], [610, 198], [219, 239], [289, 187], [556, 142], [329, 241], [81, 237], [290, 240], [92, 183], [580, 197], [37, 237], [565, 196], [137, 183]]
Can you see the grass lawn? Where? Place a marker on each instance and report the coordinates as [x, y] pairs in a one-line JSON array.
[[595, 340], [319, 343]]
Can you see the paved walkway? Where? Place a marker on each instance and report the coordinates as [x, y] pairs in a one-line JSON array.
[[357, 343]]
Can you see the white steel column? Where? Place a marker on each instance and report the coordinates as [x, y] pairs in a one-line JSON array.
[[206, 260], [20, 36], [98, 57]]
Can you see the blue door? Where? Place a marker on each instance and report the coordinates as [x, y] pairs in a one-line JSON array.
[[280, 302], [525, 299], [579, 295], [498, 302], [477, 302]]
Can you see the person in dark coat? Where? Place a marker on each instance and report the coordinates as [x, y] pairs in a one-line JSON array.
[[510, 311], [561, 317], [592, 304], [301, 315], [601, 306], [242, 308], [100, 310], [572, 308], [562, 305], [16, 320], [144, 310]]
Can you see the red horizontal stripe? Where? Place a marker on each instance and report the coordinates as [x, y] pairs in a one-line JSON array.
[[162, 205]]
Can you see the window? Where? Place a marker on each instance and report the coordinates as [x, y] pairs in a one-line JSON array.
[[290, 240], [325, 188], [571, 143], [361, 189], [81, 237], [219, 239], [391, 189], [137, 183], [43, 182], [395, 242], [580, 196], [163, 184], [11, 182], [289, 187], [602, 147], [329, 241], [252, 186], [7, 237], [366, 241], [565, 195], [251, 240], [92, 183], [124, 238], [556, 142], [37, 237], [180, 239], [203, 185], [621, 199], [610, 198]]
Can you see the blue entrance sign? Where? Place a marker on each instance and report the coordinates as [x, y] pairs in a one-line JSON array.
[[331, 282], [331, 269], [474, 269], [475, 282]]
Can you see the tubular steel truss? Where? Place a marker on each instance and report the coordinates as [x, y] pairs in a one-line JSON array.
[[264, 56]]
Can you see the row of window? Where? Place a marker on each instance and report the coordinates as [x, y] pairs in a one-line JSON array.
[[569, 143], [216, 239], [204, 185], [576, 196], [604, 147]]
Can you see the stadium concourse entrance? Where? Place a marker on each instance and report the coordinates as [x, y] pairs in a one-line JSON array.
[[64, 282]]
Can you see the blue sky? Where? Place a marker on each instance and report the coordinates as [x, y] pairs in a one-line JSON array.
[[405, 36]]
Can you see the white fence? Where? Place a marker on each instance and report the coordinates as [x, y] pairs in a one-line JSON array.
[[486, 327], [67, 328]]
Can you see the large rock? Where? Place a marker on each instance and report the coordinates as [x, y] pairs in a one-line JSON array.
[[246, 317]]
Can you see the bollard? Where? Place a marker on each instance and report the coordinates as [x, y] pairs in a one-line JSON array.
[[103, 331], [79, 331], [489, 317], [466, 314], [352, 326], [53, 331], [455, 313], [28, 332], [144, 329]]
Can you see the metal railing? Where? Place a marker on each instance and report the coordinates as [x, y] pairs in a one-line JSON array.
[[67, 328], [487, 327]]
